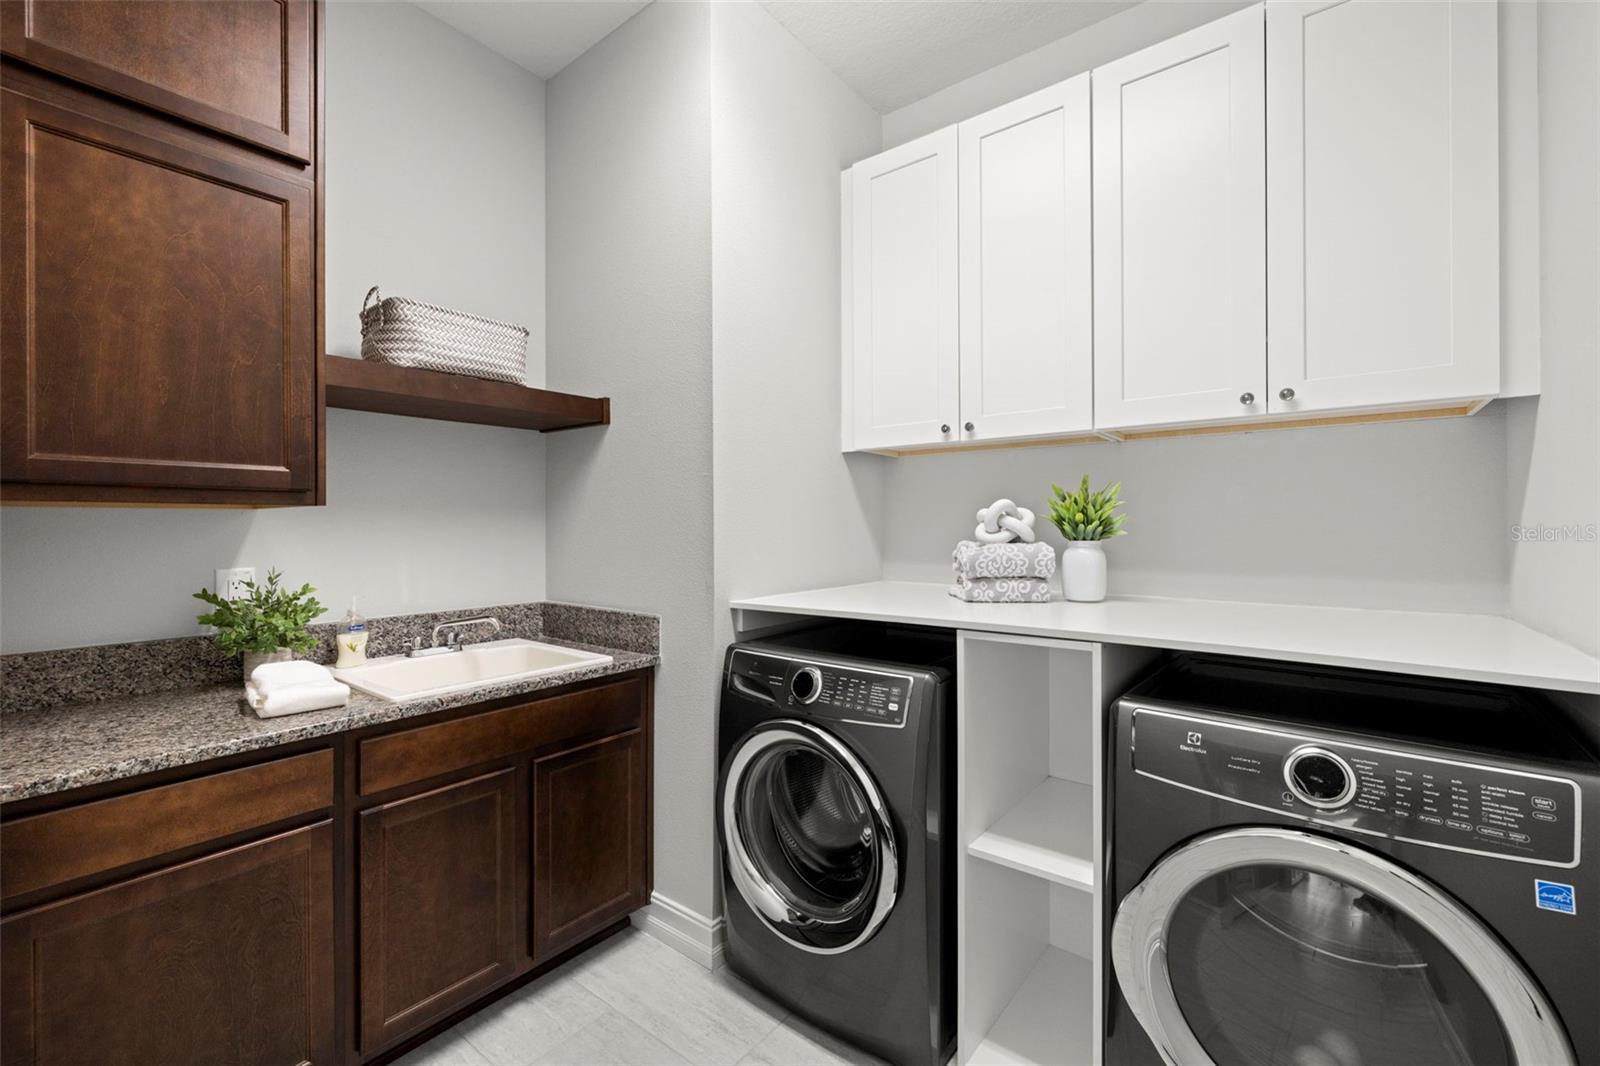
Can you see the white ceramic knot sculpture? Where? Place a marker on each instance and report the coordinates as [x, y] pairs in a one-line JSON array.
[[1003, 522]]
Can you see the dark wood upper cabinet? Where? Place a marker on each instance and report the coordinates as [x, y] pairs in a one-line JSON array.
[[161, 322], [438, 901], [243, 68], [225, 959], [160, 296], [590, 849]]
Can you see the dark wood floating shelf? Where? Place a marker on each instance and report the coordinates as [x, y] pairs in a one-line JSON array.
[[359, 385]]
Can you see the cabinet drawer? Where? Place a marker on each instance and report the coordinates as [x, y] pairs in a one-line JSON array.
[[161, 330], [61, 846], [228, 958], [240, 67], [417, 754]]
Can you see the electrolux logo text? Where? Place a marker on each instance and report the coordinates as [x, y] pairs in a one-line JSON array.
[[1193, 744]]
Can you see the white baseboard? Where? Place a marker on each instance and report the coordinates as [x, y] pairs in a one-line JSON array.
[[685, 931]]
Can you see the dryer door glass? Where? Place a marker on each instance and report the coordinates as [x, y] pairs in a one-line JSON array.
[[1269, 945], [809, 840], [1281, 964]]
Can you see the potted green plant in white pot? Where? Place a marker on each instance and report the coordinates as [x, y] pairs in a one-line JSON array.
[[267, 624], [1086, 519]]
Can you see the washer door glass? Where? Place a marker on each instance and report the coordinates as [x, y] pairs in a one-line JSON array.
[[1275, 964], [1267, 945], [808, 837]]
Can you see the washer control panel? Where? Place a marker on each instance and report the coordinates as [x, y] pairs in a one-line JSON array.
[[826, 690], [862, 695], [1404, 795]]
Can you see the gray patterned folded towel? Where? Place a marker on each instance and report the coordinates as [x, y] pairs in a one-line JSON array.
[[1001, 590], [971, 559]]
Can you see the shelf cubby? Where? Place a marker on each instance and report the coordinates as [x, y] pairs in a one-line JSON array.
[[1030, 718]]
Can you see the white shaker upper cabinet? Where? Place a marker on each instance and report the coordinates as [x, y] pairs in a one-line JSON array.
[[904, 237], [1179, 229], [1027, 363], [1382, 203]]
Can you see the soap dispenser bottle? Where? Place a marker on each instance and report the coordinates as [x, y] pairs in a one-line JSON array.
[[352, 638]]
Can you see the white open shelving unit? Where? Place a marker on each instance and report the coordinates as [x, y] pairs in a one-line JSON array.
[[1030, 718]]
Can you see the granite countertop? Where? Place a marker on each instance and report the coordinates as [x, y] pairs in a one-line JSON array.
[[51, 748]]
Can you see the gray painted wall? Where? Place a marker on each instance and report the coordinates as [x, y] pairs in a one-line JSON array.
[[629, 216], [435, 191], [791, 510], [1406, 515], [1554, 465]]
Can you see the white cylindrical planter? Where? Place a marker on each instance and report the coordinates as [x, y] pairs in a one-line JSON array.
[[1083, 571], [253, 659]]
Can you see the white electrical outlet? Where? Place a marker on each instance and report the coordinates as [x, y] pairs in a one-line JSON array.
[[230, 583]]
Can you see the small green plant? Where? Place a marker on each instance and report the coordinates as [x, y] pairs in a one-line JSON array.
[[268, 618], [1085, 515]]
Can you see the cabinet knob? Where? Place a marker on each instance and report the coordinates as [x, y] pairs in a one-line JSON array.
[[1247, 398], [945, 428], [968, 427], [1285, 394]]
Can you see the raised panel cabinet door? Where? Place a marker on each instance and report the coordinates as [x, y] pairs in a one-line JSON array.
[[590, 851], [157, 312], [906, 351], [438, 906], [244, 68], [1382, 203], [1179, 229], [1027, 330], [225, 959]]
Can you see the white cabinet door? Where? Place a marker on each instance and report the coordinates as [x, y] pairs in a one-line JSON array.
[[1179, 229], [904, 307], [1027, 362], [1382, 203]]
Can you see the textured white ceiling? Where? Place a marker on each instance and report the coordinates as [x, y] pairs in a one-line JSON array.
[[538, 35], [894, 52]]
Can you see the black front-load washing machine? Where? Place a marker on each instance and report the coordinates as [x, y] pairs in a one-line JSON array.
[[1329, 868], [836, 782]]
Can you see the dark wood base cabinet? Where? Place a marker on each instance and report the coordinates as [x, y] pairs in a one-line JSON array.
[[334, 902]]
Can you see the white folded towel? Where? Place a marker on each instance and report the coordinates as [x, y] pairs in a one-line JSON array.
[[293, 699], [269, 677]]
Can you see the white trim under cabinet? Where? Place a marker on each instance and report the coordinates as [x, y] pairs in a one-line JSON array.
[[1026, 298], [1030, 721], [1179, 229], [1382, 203], [904, 292]]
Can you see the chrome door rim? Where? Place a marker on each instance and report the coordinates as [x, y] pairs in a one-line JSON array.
[[768, 903], [1139, 934]]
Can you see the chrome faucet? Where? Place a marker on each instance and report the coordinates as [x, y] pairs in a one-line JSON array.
[[453, 639]]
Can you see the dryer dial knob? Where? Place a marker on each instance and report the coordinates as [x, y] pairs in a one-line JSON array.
[[1319, 777], [806, 684]]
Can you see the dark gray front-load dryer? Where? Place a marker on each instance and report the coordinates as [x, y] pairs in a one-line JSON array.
[[835, 783], [1330, 868]]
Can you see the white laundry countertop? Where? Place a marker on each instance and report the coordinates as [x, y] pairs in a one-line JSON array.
[[1471, 647]]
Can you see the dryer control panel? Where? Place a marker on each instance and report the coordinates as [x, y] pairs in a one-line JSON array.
[[822, 689], [1428, 799]]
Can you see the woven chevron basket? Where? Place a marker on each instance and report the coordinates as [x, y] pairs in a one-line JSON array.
[[410, 333]]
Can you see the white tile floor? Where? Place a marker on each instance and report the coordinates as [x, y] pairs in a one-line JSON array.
[[633, 1001]]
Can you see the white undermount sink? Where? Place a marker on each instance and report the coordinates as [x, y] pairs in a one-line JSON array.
[[492, 662]]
